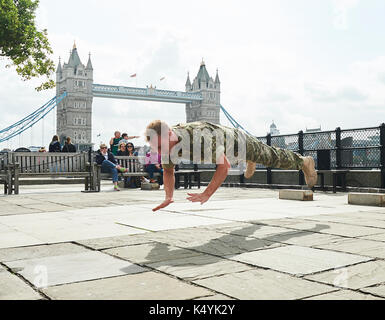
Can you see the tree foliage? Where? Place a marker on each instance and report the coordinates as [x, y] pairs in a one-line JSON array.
[[26, 47]]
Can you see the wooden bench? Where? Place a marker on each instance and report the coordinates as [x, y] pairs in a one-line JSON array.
[[5, 173], [135, 166], [188, 176], [48, 166], [335, 174]]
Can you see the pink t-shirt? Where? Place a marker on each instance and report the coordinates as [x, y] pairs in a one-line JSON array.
[[152, 158]]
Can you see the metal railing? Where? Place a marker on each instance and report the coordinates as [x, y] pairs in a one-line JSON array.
[[362, 148]]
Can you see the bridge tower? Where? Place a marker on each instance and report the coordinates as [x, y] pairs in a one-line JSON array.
[[74, 113], [209, 108]]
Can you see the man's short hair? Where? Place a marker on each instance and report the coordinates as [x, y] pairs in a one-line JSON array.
[[124, 135], [157, 126], [103, 145]]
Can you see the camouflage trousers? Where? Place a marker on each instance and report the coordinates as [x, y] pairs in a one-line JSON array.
[[272, 157]]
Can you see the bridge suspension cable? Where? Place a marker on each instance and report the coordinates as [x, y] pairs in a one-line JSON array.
[[24, 124], [234, 122]]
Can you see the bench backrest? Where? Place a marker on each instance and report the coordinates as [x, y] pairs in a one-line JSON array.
[[49, 162], [3, 161], [133, 164]]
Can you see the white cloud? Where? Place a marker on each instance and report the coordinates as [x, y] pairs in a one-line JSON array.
[[340, 12], [269, 64]]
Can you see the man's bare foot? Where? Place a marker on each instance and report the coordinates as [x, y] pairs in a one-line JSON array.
[[250, 169], [309, 171]]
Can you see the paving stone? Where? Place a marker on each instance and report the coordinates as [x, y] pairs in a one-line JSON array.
[[13, 288], [215, 297], [230, 225], [14, 238], [336, 228], [305, 239], [212, 242], [33, 252], [377, 290], [150, 253], [16, 210], [353, 220], [363, 247], [344, 295], [254, 230], [46, 207], [50, 271], [143, 286], [298, 260], [113, 242], [278, 222], [199, 267], [263, 285], [354, 277], [375, 237]]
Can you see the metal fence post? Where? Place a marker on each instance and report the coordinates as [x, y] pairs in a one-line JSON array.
[[338, 148], [382, 142], [301, 178], [269, 178]]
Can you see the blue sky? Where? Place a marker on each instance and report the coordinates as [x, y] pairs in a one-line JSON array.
[[301, 63]]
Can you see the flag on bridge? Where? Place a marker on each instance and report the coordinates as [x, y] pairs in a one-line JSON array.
[[133, 75]]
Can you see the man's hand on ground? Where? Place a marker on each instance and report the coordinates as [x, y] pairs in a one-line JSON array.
[[198, 197], [164, 204]]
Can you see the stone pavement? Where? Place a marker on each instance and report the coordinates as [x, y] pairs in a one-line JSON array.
[[59, 243]]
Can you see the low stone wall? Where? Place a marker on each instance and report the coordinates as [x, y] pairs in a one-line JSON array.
[[356, 178]]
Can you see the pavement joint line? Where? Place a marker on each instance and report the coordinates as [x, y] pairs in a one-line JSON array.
[[309, 230], [339, 222], [335, 268], [319, 294], [26, 281], [357, 254], [169, 275], [139, 228], [359, 290], [108, 248]]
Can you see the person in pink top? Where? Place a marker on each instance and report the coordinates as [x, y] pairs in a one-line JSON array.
[[152, 165]]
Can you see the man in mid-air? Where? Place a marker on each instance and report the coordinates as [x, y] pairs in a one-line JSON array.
[[220, 145]]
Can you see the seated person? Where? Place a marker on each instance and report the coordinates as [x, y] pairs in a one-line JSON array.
[[109, 164], [131, 150], [122, 151], [134, 182], [153, 164]]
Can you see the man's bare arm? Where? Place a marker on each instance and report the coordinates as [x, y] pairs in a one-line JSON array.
[[169, 183], [217, 180]]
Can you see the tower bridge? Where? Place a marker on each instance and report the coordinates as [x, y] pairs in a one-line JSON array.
[[74, 113], [75, 91]]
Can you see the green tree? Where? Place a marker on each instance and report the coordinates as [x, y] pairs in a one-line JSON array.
[[26, 47]]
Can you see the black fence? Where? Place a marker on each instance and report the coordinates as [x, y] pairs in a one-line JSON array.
[[362, 148]]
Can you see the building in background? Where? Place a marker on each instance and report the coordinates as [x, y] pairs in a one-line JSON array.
[[74, 114], [274, 130], [209, 108]]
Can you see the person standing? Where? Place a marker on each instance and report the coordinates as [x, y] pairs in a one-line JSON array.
[[55, 146], [68, 146], [114, 143]]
